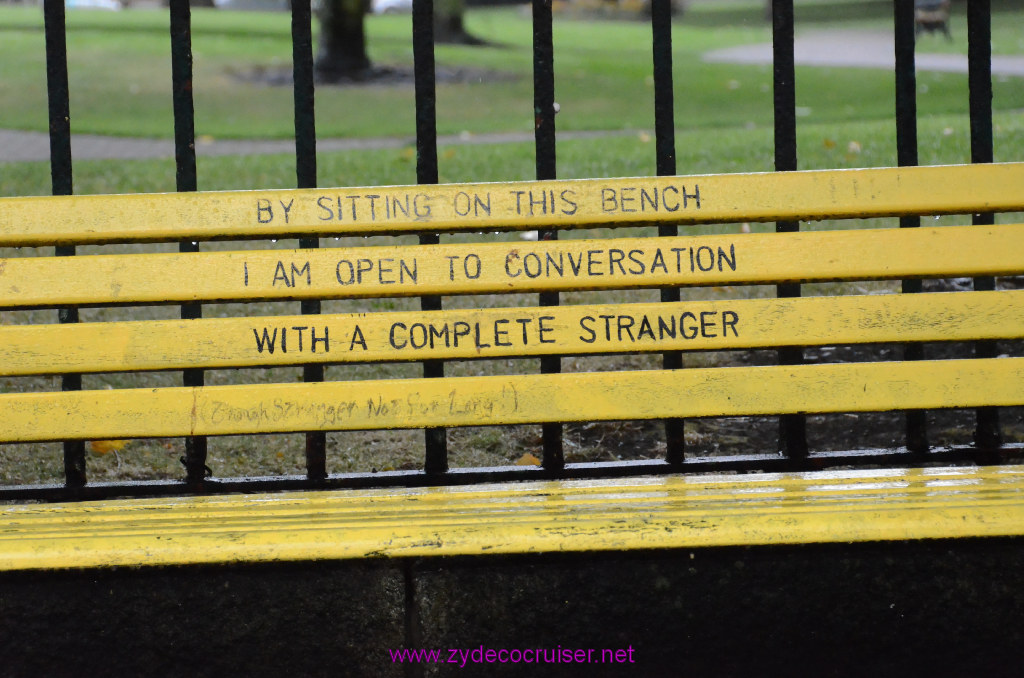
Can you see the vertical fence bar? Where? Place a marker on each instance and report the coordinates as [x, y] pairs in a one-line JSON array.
[[544, 141], [185, 176], [61, 182], [426, 173], [792, 427], [665, 159], [987, 435], [305, 177], [907, 156]]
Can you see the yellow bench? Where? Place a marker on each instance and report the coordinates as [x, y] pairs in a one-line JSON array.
[[543, 514]]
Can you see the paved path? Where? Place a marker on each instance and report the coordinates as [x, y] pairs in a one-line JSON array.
[[859, 49], [18, 146]]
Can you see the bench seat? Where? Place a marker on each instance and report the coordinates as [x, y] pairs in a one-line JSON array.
[[527, 517]]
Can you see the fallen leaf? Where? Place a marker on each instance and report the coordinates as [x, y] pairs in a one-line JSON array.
[[101, 447], [528, 460]]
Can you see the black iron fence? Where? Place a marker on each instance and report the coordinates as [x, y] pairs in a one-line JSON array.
[[795, 452]]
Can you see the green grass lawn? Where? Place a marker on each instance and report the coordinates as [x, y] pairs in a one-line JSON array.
[[942, 140], [120, 73]]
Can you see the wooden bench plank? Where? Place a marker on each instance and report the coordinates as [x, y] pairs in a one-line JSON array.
[[508, 332], [817, 194], [331, 273], [528, 517], [514, 399]]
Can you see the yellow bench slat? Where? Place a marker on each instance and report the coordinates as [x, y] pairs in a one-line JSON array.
[[505, 332], [532, 517], [814, 194], [515, 399], [513, 267]]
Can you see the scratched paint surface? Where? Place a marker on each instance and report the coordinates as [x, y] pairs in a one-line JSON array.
[[541, 516], [816, 194], [513, 399], [503, 332]]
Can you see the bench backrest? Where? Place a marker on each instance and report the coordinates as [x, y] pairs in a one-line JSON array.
[[489, 265], [370, 319]]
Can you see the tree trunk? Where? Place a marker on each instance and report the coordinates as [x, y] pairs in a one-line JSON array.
[[448, 25], [342, 50]]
